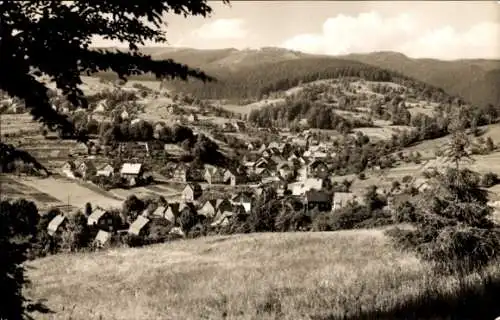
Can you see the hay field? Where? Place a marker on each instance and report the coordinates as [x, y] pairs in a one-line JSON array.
[[17, 123], [382, 133], [10, 188], [168, 192], [255, 276], [66, 190]]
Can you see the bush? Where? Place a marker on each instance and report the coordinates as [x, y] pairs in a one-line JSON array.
[[404, 213], [322, 222], [489, 180]]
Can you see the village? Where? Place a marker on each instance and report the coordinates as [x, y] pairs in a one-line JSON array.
[[186, 156], [298, 176]]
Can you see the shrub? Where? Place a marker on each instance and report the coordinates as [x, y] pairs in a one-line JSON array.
[[404, 213], [489, 179], [322, 222]]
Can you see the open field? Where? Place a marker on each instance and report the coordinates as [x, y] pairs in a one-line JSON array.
[[349, 274], [168, 192], [68, 191], [15, 123], [246, 109], [10, 188]]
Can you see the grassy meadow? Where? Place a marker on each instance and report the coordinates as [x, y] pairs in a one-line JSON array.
[[336, 275]]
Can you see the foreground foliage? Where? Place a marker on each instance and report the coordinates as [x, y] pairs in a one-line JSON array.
[[453, 221], [52, 38]]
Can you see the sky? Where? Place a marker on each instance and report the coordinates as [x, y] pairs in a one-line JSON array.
[[445, 30]]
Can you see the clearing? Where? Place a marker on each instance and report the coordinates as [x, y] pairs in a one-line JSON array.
[[257, 276]]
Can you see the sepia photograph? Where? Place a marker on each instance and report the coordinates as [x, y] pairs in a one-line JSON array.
[[194, 159]]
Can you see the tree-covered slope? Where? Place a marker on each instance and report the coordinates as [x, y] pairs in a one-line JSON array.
[[475, 80]]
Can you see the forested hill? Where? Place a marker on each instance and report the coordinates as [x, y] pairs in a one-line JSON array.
[[256, 82], [475, 80], [250, 73]]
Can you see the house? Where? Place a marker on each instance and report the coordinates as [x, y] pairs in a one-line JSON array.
[[68, 169], [222, 219], [317, 169], [172, 212], [342, 199], [284, 169], [244, 199], [102, 238], [273, 144], [262, 148], [124, 115], [131, 172], [263, 172], [261, 163], [192, 118], [223, 205], [233, 178], [227, 127], [160, 211], [158, 128], [319, 155], [86, 169], [103, 220], [301, 188], [101, 107], [285, 148], [239, 126], [266, 153], [180, 173], [106, 170], [172, 109], [191, 192], [249, 166], [56, 224], [318, 199], [209, 209], [213, 175], [177, 231], [138, 226]]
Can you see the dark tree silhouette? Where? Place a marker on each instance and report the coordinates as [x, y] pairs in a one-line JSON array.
[[18, 221], [53, 38]]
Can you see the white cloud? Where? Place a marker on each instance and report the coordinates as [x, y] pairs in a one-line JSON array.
[[370, 32], [221, 29]]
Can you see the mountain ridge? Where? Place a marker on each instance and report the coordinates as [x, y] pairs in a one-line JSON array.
[[475, 80]]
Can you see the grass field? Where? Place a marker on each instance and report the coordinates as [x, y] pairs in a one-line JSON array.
[[11, 188], [76, 194], [349, 274], [168, 192]]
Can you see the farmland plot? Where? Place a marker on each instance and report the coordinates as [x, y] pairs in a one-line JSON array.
[[15, 123], [148, 191], [12, 189], [70, 192]]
